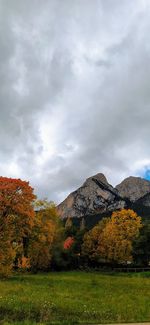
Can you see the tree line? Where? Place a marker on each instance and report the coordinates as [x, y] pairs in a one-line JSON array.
[[33, 238]]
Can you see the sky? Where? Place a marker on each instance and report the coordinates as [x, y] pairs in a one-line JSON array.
[[74, 92]]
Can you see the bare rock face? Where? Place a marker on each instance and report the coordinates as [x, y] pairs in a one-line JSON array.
[[133, 188], [96, 195]]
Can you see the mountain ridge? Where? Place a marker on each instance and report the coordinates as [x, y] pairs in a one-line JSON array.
[[97, 197]]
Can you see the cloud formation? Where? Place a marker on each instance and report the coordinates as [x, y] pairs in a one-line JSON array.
[[75, 91]]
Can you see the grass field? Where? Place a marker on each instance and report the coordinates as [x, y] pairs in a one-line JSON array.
[[75, 297]]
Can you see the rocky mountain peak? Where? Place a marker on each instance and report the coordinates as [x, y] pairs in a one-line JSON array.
[[99, 177], [133, 188], [96, 195]]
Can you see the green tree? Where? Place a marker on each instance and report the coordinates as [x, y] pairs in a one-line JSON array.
[[141, 246], [82, 224]]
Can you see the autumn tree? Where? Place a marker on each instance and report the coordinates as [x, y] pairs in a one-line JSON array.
[[68, 243], [93, 242], [7, 249], [46, 233], [16, 218], [111, 240], [119, 234]]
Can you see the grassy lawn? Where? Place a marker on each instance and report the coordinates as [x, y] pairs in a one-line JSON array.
[[75, 297]]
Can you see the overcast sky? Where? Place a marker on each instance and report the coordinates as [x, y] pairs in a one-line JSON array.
[[74, 91]]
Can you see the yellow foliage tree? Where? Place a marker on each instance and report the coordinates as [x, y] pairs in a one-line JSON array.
[[44, 234], [118, 235], [111, 240], [93, 241]]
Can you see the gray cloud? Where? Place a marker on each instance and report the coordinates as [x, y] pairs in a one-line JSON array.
[[75, 91]]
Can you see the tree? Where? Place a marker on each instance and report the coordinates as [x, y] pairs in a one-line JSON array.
[[68, 243], [45, 233], [70, 228], [7, 251], [111, 240], [119, 235], [16, 218], [93, 242], [141, 246]]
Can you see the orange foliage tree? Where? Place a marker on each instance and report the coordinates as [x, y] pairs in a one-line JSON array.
[[16, 218]]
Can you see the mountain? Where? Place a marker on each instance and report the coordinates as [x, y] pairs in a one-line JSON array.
[[134, 188], [97, 198]]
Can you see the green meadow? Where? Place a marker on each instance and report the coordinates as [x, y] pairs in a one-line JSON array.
[[75, 298]]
